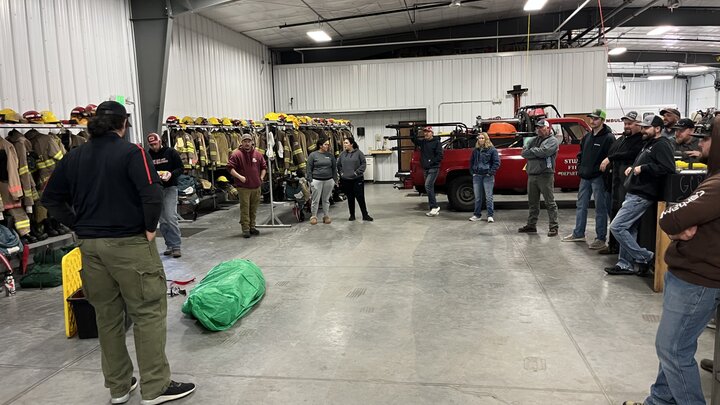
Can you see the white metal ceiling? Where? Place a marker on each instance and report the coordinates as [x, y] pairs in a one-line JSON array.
[[260, 19]]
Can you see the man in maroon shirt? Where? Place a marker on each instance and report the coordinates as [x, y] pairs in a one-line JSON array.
[[248, 167]]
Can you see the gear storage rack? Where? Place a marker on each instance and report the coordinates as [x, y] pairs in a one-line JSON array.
[[273, 221]]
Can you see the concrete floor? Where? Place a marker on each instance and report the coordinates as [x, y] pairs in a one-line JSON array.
[[405, 310]]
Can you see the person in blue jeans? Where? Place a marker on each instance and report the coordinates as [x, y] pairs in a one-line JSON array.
[[594, 149], [692, 283], [646, 178], [484, 162], [431, 155]]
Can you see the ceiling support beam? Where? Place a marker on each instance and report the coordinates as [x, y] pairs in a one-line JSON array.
[[680, 57], [621, 23], [178, 7], [152, 28], [612, 14]]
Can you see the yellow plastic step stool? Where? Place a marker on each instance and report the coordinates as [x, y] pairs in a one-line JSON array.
[[71, 266]]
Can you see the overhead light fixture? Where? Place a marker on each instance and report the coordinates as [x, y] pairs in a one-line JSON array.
[[660, 30], [692, 69], [661, 77], [534, 5], [456, 3], [319, 36], [617, 51]]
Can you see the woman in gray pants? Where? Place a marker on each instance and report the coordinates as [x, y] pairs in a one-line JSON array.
[[321, 172]]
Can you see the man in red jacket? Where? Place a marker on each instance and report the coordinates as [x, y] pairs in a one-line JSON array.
[[692, 284], [248, 167]]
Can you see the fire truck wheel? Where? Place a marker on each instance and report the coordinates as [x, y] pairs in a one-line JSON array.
[[460, 194]]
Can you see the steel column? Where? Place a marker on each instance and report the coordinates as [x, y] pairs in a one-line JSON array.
[[152, 26]]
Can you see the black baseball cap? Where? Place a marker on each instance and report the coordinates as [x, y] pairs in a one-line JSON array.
[[631, 116], [684, 124], [112, 108], [703, 130]]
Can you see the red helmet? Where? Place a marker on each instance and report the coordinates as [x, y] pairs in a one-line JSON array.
[[33, 116], [77, 111], [172, 120], [90, 110]]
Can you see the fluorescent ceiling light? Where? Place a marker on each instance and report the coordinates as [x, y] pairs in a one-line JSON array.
[[693, 69], [534, 5], [660, 30], [617, 51], [661, 77], [319, 36]]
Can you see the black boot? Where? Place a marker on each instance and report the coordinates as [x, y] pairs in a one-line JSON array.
[[59, 228], [35, 232], [28, 239], [48, 228]]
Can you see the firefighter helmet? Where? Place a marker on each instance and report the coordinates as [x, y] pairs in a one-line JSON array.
[[172, 120], [222, 179], [187, 120], [90, 110], [213, 121], [227, 122], [33, 116], [9, 115], [201, 121], [49, 118], [77, 112]]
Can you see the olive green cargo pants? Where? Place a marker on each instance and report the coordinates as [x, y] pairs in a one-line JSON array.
[[120, 273]]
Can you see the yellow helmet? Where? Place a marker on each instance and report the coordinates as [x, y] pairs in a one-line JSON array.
[[271, 116], [243, 123], [49, 118], [187, 120], [9, 115], [201, 121], [213, 121], [226, 122], [222, 179]]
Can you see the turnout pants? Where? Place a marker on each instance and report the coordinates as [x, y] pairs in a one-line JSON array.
[[354, 189], [125, 275], [249, 201]]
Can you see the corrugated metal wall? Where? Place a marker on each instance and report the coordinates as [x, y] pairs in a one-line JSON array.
[[702, 93], [61, 54], [642, 93], [214, 71], [374, 123], [573, 80]]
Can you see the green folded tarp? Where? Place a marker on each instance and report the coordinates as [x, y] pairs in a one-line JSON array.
[[227, 293]]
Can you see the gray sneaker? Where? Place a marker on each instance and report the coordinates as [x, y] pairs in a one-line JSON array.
[[573, 238], [597, 244]]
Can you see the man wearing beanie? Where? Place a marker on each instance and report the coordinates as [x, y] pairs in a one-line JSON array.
[[169, 167], [248, 167], [108, 192]]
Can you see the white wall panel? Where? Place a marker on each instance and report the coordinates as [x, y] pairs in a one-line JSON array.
[[61, 54], [374, 123], [642, 93], [702, 93], [214, 71], [573, 80]]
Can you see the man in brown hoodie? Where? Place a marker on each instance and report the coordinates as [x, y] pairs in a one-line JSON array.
[[692, 284]]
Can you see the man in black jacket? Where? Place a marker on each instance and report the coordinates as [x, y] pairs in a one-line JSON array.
[[622, 154], [169, 167], [108, 192], [645, 186], [594, 149], [431, 155]]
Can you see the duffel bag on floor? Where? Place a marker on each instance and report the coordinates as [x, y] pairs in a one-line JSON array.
[[227, 293]]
